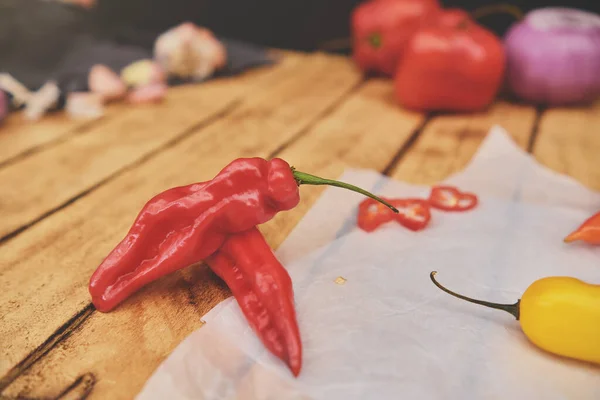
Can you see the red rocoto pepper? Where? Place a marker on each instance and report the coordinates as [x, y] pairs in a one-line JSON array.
[[184, 225], [263, 289], [412, 213], [450, 198], [381, 29], [452, 65], [588, 231]]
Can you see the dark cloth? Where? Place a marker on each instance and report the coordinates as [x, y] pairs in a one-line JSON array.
[[72, 72], [300, 24], [42, 41]]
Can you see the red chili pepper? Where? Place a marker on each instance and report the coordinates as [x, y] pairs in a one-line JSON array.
[[186, 224], [588, 231], [449, 198], [372, 214], [452, 65], [381, 29], [412, 213], [263, 289]]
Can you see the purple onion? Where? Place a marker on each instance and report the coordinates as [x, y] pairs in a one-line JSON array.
[[553, 56]]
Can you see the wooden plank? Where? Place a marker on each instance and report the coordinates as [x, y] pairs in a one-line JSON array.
[[366, 132], [448, 142], [47, 180], [343, 138], [568, 141], [19, 136], [17, 249], [50, 264]]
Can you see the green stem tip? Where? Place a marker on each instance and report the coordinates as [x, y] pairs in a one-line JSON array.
[[374, 40], [307, 179], [512, 309]]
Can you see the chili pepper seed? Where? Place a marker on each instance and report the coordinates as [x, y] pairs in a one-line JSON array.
[[340, 280]]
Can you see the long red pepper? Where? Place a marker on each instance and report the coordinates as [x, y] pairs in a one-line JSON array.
[[184, 225], [263, 290]]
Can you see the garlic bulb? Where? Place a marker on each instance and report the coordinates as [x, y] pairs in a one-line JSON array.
[[189, 52]]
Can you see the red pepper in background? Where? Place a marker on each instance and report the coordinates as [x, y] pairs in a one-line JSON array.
[[263, 289], [451, 65], [183, 225], [381, 29], [588, 231], [412, 213], [449, 198]]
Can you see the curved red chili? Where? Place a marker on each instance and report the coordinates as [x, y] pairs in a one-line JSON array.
[[263, 289], [183, 225]]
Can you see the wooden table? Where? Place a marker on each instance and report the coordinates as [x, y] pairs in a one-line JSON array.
[[70, 190]]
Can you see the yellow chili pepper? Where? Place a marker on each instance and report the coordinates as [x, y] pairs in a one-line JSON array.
[[560, 315]]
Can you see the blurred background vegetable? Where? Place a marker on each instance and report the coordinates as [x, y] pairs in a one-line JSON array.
[[189, 52], [112, 48], [554, 56], [450, 64], [381, 29]]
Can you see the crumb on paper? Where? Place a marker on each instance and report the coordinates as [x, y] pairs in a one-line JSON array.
[[340, 280], [202, 323]]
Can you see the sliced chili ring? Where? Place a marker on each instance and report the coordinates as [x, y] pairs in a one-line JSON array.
[[450, 198]]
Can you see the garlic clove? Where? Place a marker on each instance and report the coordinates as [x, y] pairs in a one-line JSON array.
[[85, 105], [105, 82], [142, 73], [41, 101]]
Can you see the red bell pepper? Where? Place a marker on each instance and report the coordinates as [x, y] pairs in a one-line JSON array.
[[381, 29], [263, 289], [452, 65], [588, 231], [450, 198], [412, 213], [183, 225]]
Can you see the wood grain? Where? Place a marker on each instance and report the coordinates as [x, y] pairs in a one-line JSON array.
[[19, 136], [313, 113], [40, 184], [568, 141], [74, 241], [448, 142], [364, 132]]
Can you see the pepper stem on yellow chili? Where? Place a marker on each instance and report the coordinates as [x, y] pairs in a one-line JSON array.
[[306, 179], [513, 309]]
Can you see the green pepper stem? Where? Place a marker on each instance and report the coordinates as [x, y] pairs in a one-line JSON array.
[[307, 179], [375, 40], [512, 309]]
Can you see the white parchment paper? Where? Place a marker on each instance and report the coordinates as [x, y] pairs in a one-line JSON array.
[[388, 332]]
